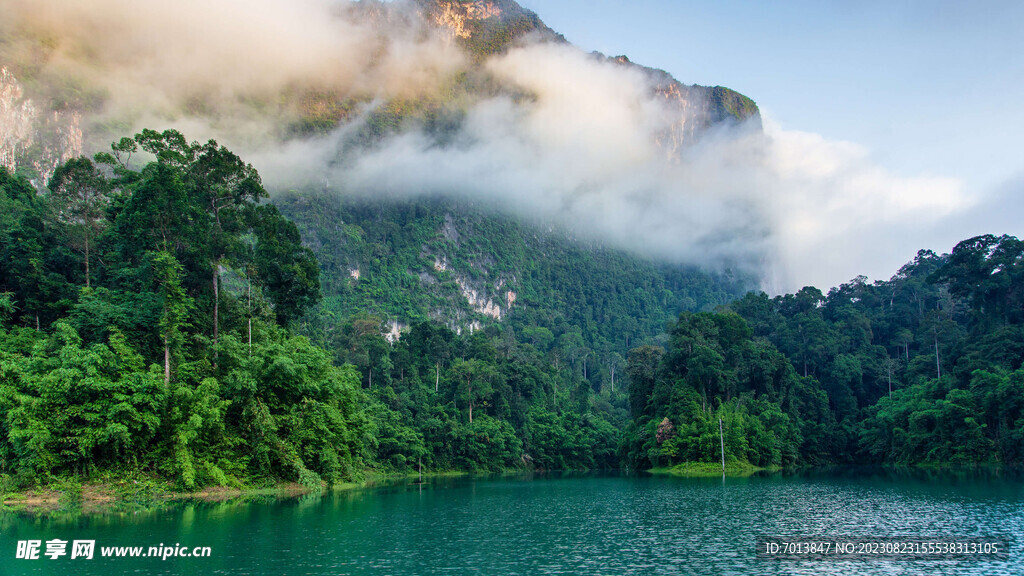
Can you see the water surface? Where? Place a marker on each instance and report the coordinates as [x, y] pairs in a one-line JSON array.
[[591, 524]]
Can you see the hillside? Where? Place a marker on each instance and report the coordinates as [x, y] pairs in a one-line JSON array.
[[449, 334], [461, 265], [165, 316]]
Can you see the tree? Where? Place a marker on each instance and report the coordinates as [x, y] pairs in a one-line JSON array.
[[79, 193], [642, 367], [176, 306], [201, 203], [475, 381], [34, 267], [217, 182], [287, 270], [989, 272]]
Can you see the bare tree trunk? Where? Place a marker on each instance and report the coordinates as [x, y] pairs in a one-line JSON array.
[[248, 289], [437, 376], [167, 362], [216, 310], [888, 368], [721, 436], [87, 260]]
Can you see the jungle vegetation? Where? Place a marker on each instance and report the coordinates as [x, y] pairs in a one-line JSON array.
[[160, 315]]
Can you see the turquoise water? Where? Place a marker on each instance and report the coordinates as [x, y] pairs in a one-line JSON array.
[[594, 524]]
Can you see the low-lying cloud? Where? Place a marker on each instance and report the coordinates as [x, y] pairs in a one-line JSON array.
[[228, 64], [571, 141]]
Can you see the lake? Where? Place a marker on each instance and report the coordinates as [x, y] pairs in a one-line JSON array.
[[570, 524]]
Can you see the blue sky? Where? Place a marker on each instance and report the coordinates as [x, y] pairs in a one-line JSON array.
[[929, 87]]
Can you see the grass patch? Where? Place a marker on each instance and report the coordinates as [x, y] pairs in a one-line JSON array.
[[734, 469]]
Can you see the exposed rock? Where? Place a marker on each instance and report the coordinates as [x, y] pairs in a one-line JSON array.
[[17, 116], [454, 16], [480, 302], [694, 109], [29, 138], [394, 331], [449, 231]]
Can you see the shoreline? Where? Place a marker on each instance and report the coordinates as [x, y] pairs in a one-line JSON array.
[[112, 496]]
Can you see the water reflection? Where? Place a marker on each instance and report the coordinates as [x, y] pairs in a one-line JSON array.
[[552, 523]]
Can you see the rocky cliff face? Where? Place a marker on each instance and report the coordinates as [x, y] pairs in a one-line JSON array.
[[32, 139], [695, 108], [486, 27], [16, 118], [457, 17]]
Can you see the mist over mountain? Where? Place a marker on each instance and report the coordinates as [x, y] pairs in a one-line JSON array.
[[474, 100]]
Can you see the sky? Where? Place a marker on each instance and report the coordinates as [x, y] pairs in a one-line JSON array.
[[925, 89]]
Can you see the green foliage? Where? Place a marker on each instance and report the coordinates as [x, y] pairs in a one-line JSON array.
[[148, 329], [74, 408], [86, 394], [921, 368], [416, 261], [36, 270], [716, 371]]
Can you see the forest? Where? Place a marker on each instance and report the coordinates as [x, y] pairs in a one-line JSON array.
[[161, 316]]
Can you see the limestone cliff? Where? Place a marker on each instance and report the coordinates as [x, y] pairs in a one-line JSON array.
[[695, 108], [33, 139], [486, 27]]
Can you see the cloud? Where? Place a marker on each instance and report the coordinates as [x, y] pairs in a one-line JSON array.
[[837, 214], [569, 141], [578, 152], [581, 154], [228, 64]]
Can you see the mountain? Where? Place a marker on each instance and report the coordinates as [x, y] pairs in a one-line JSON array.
[[465, 264], [482, 200], [458, 261]]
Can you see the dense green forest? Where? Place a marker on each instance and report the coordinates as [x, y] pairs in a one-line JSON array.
[[148, 317], [411, 261], [162, 317], [922, 368]]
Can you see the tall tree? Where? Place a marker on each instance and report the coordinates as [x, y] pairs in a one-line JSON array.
[[474, 380], [176, 305], [79, 193], [219, 182], [286, 269], [34, 266]]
